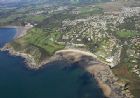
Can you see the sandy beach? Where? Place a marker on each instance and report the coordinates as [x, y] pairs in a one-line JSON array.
[[20, 30]]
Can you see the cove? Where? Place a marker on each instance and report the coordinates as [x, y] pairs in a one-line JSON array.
[[6, 35]]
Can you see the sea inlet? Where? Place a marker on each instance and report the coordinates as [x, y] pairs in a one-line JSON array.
[[55, 80]]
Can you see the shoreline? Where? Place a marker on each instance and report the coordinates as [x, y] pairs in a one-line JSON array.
[[100, 71], [20, 30], [111, 86], [28, 59]]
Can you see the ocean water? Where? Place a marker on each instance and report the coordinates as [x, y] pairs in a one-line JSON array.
[[55, 80], [6, 35]]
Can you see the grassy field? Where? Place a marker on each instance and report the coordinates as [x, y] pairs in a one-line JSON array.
[[126, 34], [35, 18], [43, 39], [95, 10], [39, 43]]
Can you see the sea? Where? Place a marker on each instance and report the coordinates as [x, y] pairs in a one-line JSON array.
[[54, 80]]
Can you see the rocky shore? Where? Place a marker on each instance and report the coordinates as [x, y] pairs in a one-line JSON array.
[[110, 85], [28, 58]]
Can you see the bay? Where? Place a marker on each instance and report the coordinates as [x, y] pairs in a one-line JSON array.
[[55, 80]]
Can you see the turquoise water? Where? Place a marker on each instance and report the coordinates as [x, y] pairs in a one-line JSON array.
[[55, 80]]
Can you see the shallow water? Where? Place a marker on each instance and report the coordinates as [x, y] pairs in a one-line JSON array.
[[55, 80]]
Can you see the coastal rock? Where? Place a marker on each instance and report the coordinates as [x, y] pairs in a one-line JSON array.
[[101, 72]]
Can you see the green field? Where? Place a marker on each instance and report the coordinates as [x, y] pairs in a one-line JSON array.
[[35, 18], [126, 34], [39, 43], [95, 10]]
